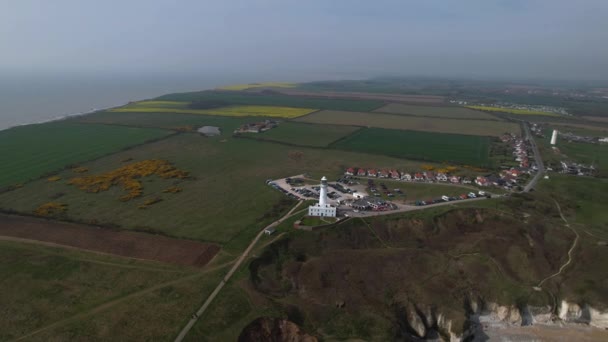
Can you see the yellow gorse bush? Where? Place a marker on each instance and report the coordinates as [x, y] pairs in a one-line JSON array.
[[128, 177]]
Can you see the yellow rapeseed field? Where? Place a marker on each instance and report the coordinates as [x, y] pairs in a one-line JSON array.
[[181, 108], [238, 87]]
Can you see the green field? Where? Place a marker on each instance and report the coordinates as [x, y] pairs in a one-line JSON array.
[[434, 111], [460, 149], [512, 111], [66, 294], [161, 120], [28, 152], [228, 177], [274, 100], [391, 121], [303, 134]]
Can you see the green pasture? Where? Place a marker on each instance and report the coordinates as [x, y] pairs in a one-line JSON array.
[[29, 152], [438, 147]]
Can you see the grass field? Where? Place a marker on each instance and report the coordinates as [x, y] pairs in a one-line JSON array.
[[303, 134], [226, 124], [239, 87], [274, 100], [28, 152], [434, 111], [438, 147], [42, 285], [512, 111], [182, 108], [390, 121], [226, 199]]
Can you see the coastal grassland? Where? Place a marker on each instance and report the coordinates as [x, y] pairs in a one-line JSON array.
[[304, 134], [28, 152], [583, 199], [239, 87], [225, 199], [237, 98], [434, 111], [391, 121], [462, 247], [438, 147], [42, 285], [188, 122], [512, 111], [237, 110]]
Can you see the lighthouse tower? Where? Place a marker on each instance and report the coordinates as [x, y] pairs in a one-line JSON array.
[[554, 137], [323, 192], [323, 208]]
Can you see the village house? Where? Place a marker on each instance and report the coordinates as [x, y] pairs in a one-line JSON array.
[[361, 173], [395, 174], [441, 177], [406, 177], [465, 180], [372, 173], [454, 179], [482, 181], [418, 176], [383, 174], [350, 171]]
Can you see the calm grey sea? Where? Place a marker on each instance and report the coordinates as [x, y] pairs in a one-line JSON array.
[[34, 98]]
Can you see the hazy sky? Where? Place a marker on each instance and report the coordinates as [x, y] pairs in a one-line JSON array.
[[478, 38]]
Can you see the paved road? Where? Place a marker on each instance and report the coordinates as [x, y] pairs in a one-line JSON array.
[[219, 287], [537, 158]]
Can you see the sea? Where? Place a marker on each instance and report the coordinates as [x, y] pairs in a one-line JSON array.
[[27, 98]]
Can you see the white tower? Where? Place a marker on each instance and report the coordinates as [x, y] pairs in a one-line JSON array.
[[554, 137], [323, 208], [323, 192]]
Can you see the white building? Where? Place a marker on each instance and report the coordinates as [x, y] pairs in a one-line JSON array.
[[554, 137], [322, 208]]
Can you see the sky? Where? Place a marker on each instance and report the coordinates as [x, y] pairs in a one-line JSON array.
[[285, 39]]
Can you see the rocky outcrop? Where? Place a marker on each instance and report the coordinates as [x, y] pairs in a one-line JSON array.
[[266, 329], [574, 313], [425, 323]]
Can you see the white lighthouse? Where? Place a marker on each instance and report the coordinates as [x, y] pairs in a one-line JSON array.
[[554, 137], [322, 208]]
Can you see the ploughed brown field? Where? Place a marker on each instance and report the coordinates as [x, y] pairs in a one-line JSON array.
[[126, 244]]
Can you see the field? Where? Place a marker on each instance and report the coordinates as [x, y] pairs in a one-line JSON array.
[[225, 199], [59, 294], [239, 87], [433, 111], [126, 244], [391, 121], [438, 147], [28, 152], [182, 108], [274, 100], [192, 122], [513, 111], [303, 134]]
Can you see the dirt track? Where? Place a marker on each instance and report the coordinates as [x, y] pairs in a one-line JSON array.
[[127, 244]]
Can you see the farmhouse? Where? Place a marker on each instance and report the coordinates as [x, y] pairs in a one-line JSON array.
[[257, 127]]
